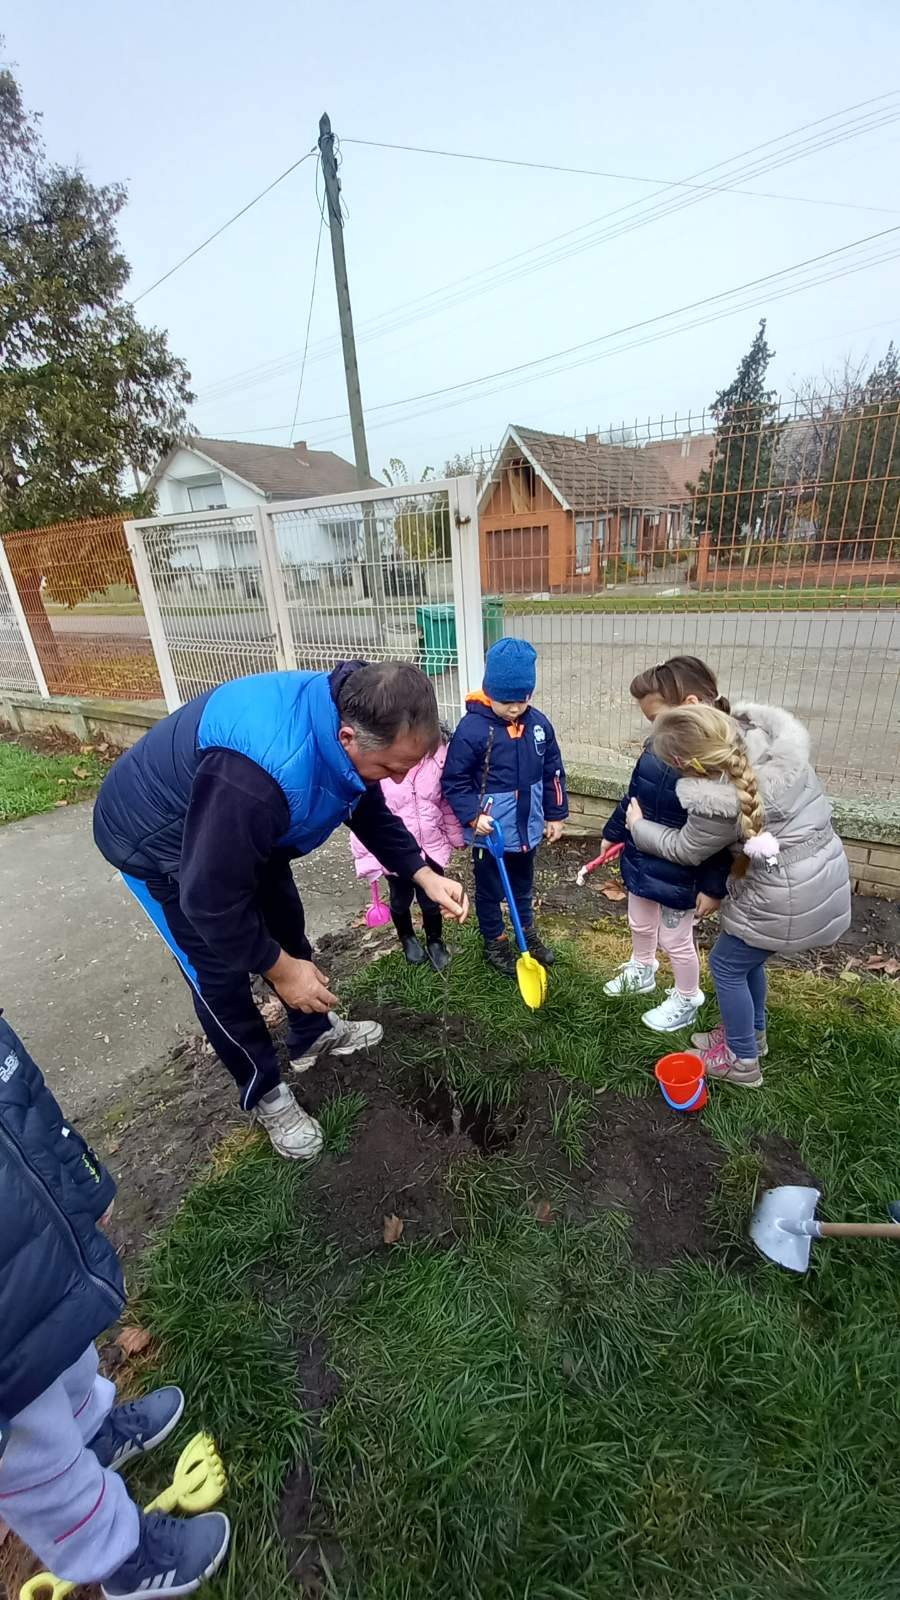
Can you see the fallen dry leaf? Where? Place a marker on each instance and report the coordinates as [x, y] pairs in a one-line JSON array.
[[132, 1341], [542, 1211], [58, 803], [392, 1231], [614, 891], [892, 967], [876, 963], [80, 772], [271, 1011]]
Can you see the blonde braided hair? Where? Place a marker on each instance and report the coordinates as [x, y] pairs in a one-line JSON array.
[[703, 740]]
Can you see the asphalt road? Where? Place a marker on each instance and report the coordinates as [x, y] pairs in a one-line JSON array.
[[839, 670]]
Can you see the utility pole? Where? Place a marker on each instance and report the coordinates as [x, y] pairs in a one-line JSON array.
[[351, 369]]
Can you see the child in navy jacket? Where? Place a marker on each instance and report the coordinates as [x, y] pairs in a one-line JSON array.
[[664, 897], [62, 1436], [504, 763]]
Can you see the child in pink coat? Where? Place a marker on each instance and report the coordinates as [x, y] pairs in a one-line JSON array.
[[418, 802]]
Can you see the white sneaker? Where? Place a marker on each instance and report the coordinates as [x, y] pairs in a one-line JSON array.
[[633, 978], [294, 1134], [341, 1039], [676, 1012]]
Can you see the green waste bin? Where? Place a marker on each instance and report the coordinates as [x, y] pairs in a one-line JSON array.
[[437, 633]]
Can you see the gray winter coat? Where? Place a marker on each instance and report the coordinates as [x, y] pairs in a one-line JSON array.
[[802, 900]]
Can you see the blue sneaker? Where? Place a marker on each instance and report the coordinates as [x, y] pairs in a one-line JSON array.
[[131, 1430], [175, 1555]]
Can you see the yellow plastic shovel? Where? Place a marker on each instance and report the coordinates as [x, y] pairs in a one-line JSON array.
[[531, 976], [198, 1484]]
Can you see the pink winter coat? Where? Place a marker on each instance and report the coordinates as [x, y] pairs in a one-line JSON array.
[[418, 802]]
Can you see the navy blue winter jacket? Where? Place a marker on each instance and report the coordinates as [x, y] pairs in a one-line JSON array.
[[60, 1279], [516, 766], [669, 884], [230, 787]]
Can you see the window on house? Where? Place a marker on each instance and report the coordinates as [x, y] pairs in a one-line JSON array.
[[206, 496], [584, 544]]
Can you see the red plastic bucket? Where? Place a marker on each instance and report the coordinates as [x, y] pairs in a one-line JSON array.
[[682, 1081]]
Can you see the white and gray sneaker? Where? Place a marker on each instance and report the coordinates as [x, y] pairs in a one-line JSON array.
[[293, 1132], [340, 1039], [676, 1012], [633, 978]]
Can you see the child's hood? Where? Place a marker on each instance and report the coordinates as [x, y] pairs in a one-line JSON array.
[[778, 748]]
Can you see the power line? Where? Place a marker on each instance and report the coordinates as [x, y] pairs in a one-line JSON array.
[[628, 328], [456, 291], [624, 177], [603, 355], [312, 297], [219, 231]]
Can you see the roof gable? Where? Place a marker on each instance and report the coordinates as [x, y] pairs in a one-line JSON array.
[[279, 472], [584, 474]]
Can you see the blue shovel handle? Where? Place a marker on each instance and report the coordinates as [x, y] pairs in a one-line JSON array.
[[495, 843]]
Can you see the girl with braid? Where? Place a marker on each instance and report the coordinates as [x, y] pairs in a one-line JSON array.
[[748, 785]]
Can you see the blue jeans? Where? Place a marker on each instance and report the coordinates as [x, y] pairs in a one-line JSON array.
[[489, 891], [740, 973]]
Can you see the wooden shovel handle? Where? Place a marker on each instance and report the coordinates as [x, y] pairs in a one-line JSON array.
[[859, 1230]]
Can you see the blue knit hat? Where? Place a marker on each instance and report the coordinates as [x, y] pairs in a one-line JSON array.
[[509, 670]]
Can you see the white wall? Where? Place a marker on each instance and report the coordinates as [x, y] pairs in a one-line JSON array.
[[171, 492]]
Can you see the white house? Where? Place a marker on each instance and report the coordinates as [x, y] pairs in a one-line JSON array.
[[209, 474]]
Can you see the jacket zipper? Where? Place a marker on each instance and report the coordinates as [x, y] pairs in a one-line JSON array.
[[38, 1183]]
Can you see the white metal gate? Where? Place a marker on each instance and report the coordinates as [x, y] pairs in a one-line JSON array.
[[386, 574], [19, 664]]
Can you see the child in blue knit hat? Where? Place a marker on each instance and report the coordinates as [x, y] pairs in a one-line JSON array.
[[504, 763]]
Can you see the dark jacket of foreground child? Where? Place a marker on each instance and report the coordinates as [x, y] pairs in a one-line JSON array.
[[60, 1280], [653, 784], [514, 769]]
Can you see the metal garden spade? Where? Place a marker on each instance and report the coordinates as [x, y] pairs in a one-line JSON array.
[[784, 1226]]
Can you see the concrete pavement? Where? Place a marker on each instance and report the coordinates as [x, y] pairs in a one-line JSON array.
[[83, 977]]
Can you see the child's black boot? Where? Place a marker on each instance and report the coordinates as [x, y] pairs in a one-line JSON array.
[[500, 955], [538, 948]]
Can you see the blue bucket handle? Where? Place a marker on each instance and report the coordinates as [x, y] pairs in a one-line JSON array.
[[683, 1105]]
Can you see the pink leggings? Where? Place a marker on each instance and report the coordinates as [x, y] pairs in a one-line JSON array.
[[673, 931]]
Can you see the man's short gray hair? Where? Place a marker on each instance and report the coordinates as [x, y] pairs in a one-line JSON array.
[[384, 701]]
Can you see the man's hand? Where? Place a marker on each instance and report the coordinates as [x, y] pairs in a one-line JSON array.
[[448, 895], [706, 906], [553, 831], [300, 984], [633, 814], [482, 824]]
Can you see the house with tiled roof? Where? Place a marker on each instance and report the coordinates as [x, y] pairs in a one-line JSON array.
[[560, 513], [209, 475], [206, 474]]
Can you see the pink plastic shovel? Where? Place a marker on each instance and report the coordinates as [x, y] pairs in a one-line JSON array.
[[378, 913], [611, 853]]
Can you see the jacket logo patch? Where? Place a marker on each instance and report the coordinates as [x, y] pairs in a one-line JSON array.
[[9, 1067], [540, 737]]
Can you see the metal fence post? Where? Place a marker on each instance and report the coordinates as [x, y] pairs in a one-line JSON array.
[[273, 588], [463, 496], [150, 602], [22, 623]]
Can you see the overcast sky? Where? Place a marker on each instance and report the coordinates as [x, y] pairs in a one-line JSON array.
[[198, 105]]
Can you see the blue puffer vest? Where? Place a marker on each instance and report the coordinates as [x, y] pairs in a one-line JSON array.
[[653, 785], [287, 722], [60, 1279]]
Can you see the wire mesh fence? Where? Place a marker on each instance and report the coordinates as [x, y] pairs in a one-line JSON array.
[[76, 586], [765, 540], [306, 584]]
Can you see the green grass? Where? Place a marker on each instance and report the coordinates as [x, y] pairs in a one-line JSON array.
[[30, 783], [526, 1416], [848, 599]]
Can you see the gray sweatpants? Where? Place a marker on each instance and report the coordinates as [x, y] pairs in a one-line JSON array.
[[79, 1519]]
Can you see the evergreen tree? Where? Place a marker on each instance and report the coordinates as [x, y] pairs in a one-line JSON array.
[[730, 495]]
